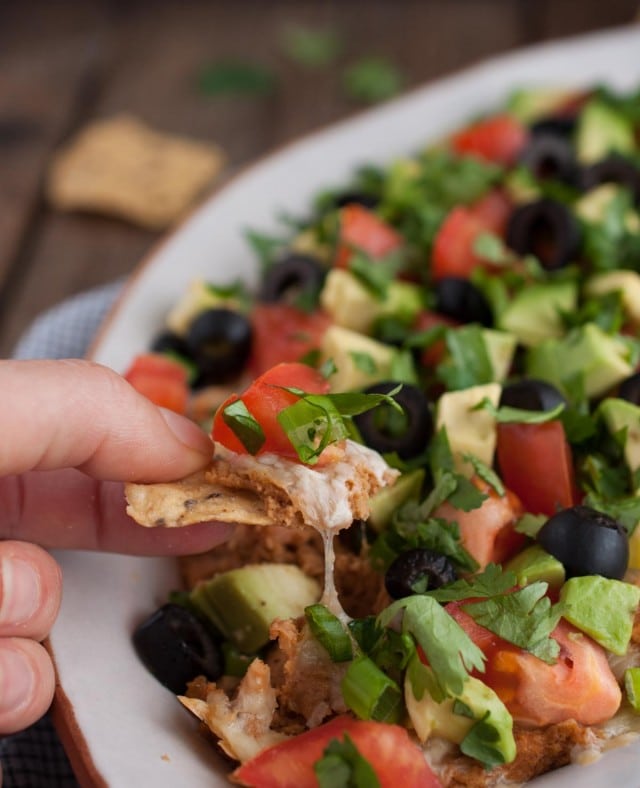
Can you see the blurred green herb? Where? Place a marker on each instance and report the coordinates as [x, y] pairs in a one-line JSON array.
[[309, 47], [236, 78], [372, 79]]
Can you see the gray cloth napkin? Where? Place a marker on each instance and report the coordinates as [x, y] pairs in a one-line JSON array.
[[35, 758]]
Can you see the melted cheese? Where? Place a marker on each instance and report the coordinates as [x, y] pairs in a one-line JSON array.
[[323, 494]]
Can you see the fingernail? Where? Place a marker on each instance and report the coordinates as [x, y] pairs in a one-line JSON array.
[[16, 680], [187, 432], [21, 591]]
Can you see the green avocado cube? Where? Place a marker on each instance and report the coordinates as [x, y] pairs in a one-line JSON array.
[[534, 564], [603, 608]]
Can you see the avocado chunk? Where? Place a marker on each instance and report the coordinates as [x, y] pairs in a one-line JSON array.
[[384, 503], [360, 361], [601, 360], [531, 104], [627, 283], [197, 298], [602, 130], [469, 431], [535, 313], [454, 718], [602, 608], [618, 414], [594, 206], [534, 564], [501, 347], [242, 603], [352, 305]]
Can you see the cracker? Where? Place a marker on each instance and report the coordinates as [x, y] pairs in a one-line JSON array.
[[193, 500], [121, 167]]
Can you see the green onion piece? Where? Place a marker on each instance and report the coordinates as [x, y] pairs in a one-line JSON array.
[[370, 693], [632, 687], [311, 424], [244, 426], [327, 629], [235, 662]]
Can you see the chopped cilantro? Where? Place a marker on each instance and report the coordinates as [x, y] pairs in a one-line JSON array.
[[525, 617], [492, 248], [343, 766], [482, 743], [364, 362], [372, 79], [468, 363], [486, 473], [508, 415], [529, 524], [310, 47], [376, 275], [490, 582], [450, 651], [236, 78]]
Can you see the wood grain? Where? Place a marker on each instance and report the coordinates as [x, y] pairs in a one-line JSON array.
[[64, 63]]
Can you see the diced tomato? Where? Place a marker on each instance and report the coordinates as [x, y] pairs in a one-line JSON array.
[[160, 379], [396, 760], [282, 332], [361, 229], [535, 462], [488, 532], [453, 253], [579, 685], [433, 355], [498, 139], [264, 399]]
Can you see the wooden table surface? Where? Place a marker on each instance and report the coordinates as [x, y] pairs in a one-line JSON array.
[[64, 63]]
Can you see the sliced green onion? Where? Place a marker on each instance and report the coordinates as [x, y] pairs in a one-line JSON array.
[[327, 629], [244, 426], [311, 424], [632, 687], [370, 693]]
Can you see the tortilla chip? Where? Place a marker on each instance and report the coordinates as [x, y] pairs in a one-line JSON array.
[[123, 168], [193, 500]]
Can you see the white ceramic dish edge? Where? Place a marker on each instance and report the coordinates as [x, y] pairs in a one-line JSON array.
[[121, 728]]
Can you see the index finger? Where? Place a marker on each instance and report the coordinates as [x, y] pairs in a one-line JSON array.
[[77, 414]]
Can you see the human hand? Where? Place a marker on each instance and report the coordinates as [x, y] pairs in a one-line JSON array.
[[71, 433]]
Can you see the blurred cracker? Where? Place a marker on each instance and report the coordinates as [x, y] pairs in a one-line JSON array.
[[121, 167], [193, 500]]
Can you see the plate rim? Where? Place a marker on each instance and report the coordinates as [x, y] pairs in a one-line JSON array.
[[76, 746]]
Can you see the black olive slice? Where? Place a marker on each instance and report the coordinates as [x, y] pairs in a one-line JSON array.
[[294, 276], [531, 394], [219, 341], [613, 169], [586, 542], [556, 125], [630, 389], [550, 157], [546, 229], [369, 201], [386, 430], [416, 571], [175, 647], [459, 299], [170, 342]]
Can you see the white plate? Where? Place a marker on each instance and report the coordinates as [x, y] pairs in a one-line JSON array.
[[122, 728]]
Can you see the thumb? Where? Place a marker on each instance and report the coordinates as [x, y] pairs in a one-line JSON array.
[[77, 414]]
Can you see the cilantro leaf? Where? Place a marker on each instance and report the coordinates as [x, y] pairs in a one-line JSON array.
[[486, 473], [343, 766], [488, 583], [525, 618], [626, 510], [449, 650], [309, 47], [311, 424], [529, 524], [468, 363], [509, 415], [492, 248], [482, 743], [236, 78], [364, 362], [376, 275], [372, 79]]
